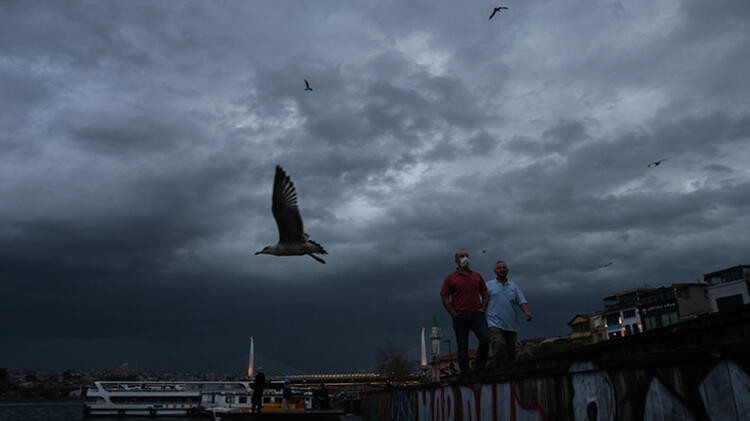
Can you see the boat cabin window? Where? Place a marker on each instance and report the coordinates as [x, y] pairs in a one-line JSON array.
[[230, 399], [243, 399], [156, 399]]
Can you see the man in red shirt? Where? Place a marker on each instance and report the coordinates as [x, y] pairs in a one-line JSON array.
[[461, 294]]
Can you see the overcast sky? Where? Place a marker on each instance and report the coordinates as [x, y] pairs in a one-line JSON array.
[[138, 141]]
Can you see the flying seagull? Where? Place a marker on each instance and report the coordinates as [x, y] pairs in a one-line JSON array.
[[656, 163], [307, 86], [293, 241], [605, 265], [497, 9]]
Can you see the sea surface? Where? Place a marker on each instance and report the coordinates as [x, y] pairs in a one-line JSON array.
[[57, 411]]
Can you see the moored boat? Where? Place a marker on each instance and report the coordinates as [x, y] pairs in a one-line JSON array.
[[139, 398]]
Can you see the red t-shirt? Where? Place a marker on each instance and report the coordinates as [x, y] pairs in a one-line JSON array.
[[464, 291]]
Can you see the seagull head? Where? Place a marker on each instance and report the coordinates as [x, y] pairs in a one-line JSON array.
[[266, 250], [275, 250]]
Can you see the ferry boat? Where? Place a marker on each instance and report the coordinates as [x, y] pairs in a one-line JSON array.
[[139, 398]]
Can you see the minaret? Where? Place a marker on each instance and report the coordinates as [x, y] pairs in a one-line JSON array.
[[423, 360], [435, 337], [252, 358]]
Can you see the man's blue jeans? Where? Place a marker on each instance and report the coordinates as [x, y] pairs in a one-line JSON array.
[[477, 323]]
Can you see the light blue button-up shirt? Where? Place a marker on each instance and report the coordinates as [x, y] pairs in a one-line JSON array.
[[501, 311]]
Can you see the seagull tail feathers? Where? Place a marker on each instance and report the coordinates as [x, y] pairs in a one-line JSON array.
[[320, 248], [316, 258]]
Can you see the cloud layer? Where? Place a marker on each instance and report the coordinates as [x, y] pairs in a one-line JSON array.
[[139, 139]]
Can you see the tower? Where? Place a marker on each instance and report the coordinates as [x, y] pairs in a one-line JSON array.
[[435, 336], [423, 359], [251, 361]]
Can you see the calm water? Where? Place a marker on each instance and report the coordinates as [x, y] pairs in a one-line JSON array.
[[57, 411]]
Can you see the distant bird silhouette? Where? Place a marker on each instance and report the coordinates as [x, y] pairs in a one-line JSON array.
[[605, 265], [656, 163], [307, 86], [497, 9], [484, 251], [293, 241]]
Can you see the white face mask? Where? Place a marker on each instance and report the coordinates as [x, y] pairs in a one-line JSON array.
[[463, 262]]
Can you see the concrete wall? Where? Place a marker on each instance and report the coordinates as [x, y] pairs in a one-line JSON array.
[[586, 392], [700, 372]]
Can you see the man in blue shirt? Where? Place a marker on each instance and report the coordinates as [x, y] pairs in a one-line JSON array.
[[505, 296]]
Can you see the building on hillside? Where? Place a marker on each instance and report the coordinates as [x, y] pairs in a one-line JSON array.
[[728, 288], [692, 300], [666, 306], [659, 308], [589, 327], [621, 315]]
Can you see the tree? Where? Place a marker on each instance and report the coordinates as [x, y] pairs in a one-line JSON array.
[[392, 364]]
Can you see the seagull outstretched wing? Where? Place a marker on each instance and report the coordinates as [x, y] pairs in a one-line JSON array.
[[285, 210], [497, 9], [656, 163]]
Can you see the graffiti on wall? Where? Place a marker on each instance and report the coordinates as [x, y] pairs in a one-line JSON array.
[[726, 392], [403, 405], [593, 393], [475, 403], [590, 394], [661, 404]]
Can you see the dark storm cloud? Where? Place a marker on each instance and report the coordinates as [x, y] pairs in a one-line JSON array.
[[140, 133], [520, 144], [140, 139], [564, 136], [28, 93]]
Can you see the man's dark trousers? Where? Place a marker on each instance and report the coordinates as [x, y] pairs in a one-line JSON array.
[[477, 323]]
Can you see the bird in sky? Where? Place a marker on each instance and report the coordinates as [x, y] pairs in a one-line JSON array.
[[293, 241], [497, 9], [656, 163], [307, 86], [484, 251], [605, 265]]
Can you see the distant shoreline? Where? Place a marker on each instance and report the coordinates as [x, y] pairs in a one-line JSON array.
[[37, 399]]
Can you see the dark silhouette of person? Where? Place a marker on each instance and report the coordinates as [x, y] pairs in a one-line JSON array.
[[287, 394], [325, 402], [258, 385]]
